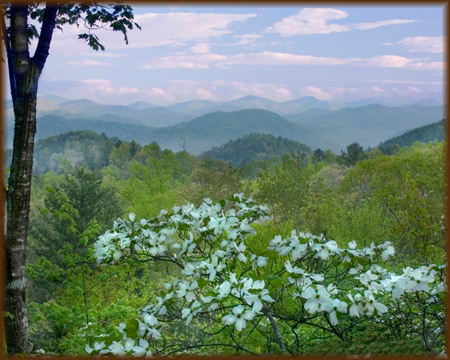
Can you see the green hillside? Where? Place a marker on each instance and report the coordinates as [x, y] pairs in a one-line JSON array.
[[196, 136], [425, 134], [223, 126], [79, 147], [256, 147], [367, 125]]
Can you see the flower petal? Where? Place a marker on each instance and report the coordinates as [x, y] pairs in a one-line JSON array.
[[229, 319]]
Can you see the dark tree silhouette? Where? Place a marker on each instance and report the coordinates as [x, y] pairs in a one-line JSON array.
[[24, 72]]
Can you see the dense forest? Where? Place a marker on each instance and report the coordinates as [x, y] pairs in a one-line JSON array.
[[84, 181], [256, 147], [425, 134]]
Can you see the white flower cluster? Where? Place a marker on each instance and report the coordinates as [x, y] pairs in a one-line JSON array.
[[155, 237], [412, 280], [142, 349], [207, 241]]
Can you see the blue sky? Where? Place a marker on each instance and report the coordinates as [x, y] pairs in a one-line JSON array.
[[221, 53]]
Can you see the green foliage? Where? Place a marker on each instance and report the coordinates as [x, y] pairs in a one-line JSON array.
[[408, 191], [149, 187], [63, 152], [425, 134], [210, 183], [64, 213], [363, 196], [88, 307], [256, 147], [73, 302], [352, 155], [256, 168], [399, 198], [284, 191]]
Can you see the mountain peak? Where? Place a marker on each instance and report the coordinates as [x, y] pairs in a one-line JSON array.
[[138, 105], [79, 101], [251, 97], [427, 102]]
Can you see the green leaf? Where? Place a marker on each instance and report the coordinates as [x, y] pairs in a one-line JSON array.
[[202, 282], [303, 240], [272, 277], [276, 282], [273, 255]]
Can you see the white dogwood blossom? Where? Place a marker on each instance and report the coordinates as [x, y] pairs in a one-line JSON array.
[[218, 271], [238, 317]]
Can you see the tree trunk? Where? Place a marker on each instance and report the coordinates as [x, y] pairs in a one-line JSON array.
[[24, 74], [18, 209]]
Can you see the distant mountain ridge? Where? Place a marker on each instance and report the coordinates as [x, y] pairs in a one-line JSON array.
[[196, 136], [425, 134], [170, 115], [367, 125], [324, 122], [150, 116]]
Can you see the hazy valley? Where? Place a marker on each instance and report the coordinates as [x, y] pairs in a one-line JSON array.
[[198, 125]]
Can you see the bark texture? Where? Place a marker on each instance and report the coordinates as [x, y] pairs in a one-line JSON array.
[[274, 325], [24, 73]]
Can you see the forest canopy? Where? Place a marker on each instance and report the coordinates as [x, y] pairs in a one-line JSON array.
[[75, 304]]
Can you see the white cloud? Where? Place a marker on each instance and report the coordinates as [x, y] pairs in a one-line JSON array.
[[88, 63], [435, 65], [317, 93], [373, 25], [203, 61], [247, 36], [277, 58], [414, 89], [159, 95], [409, 92], [184, 90], [204, 94], [246, 39], [423, 44], [390, 61], [406, 82], [105, 86], [99, 85], [173, 28], [276, 92], [200, 49], [315, 21], [103, 54], [284, 93], [183, 61], [310, 21], [359, 93], [355, 93], [127, 90]]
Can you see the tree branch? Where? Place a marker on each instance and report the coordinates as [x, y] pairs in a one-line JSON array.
[[45, 38], [275, 330], [9, 54]]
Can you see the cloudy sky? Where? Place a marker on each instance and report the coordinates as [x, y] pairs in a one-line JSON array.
[[222, 53]]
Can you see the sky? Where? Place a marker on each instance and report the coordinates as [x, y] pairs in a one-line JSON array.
[[221, 53]]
